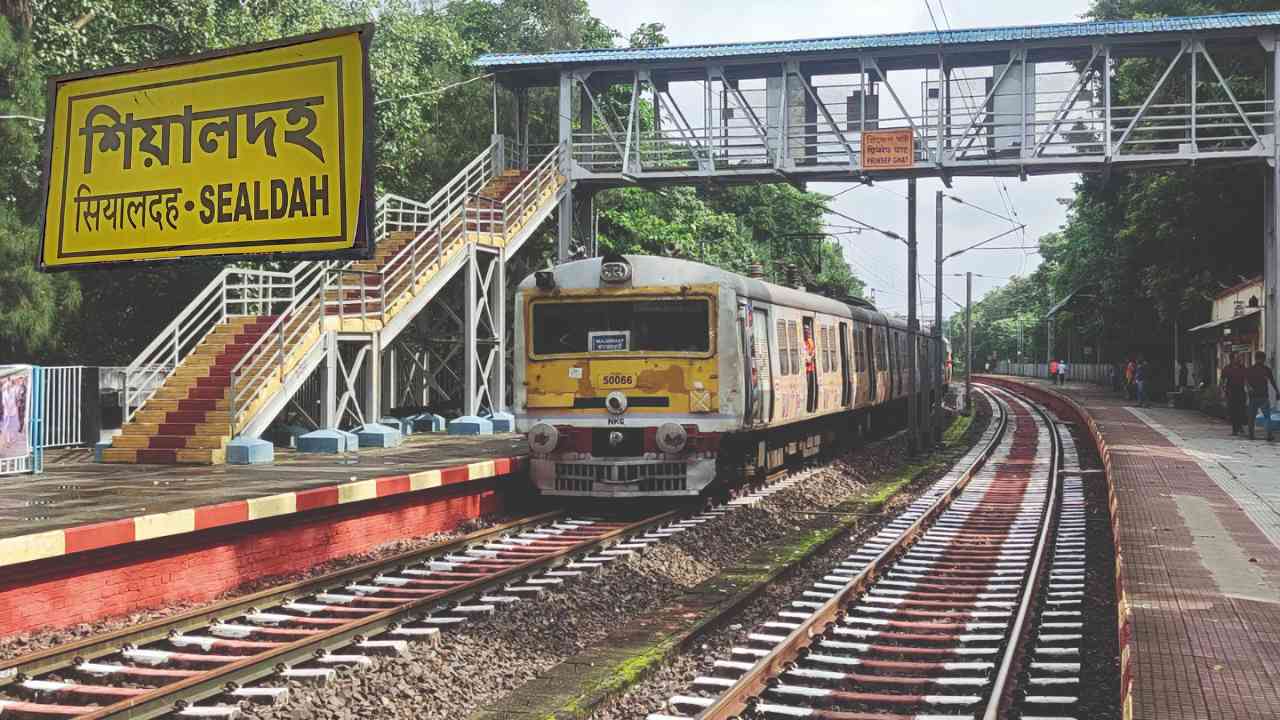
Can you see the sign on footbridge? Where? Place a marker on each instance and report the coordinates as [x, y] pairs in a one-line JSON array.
[[250, 151], [1081, 97]]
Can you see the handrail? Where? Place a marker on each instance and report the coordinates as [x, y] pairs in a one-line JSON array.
[[305, 289], [279, 336]]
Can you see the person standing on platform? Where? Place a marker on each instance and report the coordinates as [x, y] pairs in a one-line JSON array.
[[1259, 376], [1062, 372], [1053, 371], [1233, 389], [1130, 369]]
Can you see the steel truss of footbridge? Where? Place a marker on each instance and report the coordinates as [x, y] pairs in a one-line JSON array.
[[1008, 101]]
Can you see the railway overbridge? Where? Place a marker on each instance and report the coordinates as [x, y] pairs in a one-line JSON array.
[[342, 343]]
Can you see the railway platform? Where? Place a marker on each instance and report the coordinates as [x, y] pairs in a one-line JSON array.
[[1198, 527], [88, 540]]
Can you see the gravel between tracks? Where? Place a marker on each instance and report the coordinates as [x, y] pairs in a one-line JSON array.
[[26, 643], [479, 663], [677, 674]]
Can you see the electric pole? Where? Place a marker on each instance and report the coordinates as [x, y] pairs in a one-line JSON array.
[[936, 380], [913, 323], [968, 329]]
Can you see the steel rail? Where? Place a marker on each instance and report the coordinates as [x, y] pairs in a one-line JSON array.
[[255, 667], [737, 698], [1002, 692], [62, 656]]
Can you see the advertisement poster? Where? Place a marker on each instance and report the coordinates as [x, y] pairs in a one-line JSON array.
[[15, 411]]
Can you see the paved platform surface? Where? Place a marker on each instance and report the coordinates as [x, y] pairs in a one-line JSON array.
[[1199, 517], [42, 515]]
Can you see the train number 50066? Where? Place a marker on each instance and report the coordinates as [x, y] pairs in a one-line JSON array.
[[618, 380]]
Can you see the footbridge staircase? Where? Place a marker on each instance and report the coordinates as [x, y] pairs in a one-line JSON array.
[[237, 355]]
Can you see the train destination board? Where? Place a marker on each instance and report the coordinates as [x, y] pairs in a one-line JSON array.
[[252, 151], [888, 149]]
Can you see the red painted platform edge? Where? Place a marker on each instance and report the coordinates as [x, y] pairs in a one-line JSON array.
[[33, 547], [1063, 405]]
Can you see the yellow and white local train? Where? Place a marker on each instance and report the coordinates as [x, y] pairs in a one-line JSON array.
[[646, 376]]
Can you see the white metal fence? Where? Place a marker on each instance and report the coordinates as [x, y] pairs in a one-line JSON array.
[[62, 403], [1076, 372]]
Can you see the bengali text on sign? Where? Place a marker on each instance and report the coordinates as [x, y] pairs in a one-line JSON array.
[[888, 149], [246, 152]]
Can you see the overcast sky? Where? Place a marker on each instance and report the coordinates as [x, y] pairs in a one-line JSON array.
[[881, 262]]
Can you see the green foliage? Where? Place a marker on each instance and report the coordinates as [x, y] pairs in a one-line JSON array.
[[1146, 249], [423, 136]]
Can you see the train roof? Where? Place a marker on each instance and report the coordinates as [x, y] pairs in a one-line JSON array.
[[651, 270]]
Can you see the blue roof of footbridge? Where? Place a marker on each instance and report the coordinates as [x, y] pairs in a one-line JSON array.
[[1094, 28]]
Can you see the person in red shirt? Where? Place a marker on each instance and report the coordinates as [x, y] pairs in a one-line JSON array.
[[1258, 377], [1053, 371], [1233, 388]]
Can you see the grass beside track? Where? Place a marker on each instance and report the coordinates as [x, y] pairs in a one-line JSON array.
[[578, 686]]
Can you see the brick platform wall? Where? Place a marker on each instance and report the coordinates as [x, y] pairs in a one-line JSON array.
[[200, 566]]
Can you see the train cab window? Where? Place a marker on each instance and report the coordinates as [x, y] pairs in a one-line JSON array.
[[784, 359], [678, 325]]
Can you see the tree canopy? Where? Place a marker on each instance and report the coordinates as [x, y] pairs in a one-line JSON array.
[[423, 136], [1145, 249]]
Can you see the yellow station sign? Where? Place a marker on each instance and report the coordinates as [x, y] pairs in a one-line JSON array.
[[260, 150]]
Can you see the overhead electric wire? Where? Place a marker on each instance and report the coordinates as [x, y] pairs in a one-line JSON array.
[[434, 91]]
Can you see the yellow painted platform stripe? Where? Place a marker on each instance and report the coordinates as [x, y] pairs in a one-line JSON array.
[[36, 546], [357, 491], [424, 480], [481, 470], [157, 525], [272, 505]]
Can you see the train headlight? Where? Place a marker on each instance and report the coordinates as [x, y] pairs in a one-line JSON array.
[[615, 269], [543, 438], [671, 438], [616, 402]]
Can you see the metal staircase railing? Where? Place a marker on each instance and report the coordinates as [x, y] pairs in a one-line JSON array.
[[500, 216], [302, 297], [233, 292], [270, 354]]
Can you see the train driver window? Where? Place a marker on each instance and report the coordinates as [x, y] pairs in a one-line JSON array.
[[678, 325]]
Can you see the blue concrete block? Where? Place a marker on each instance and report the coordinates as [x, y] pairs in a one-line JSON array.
[[471, 425], [503, 422], [250, 451], [324, 441], [401, 424], [353, 440], [427, 422], [97, 450], [375, 435]]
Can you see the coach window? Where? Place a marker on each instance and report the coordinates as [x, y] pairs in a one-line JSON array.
[[794, 332], [784, 360], [675, 326]]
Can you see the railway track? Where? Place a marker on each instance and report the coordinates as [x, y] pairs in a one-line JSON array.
[[932, 617], [207, 662], [204, 663]]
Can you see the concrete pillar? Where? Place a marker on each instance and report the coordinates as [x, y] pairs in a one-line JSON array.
[[329, 405], [373, 386], [564, 228], [469, 405]]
